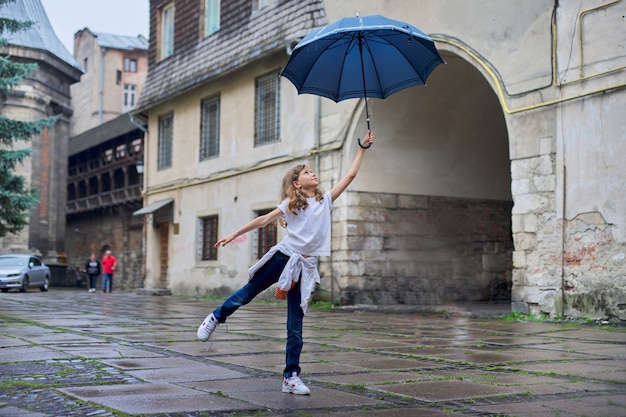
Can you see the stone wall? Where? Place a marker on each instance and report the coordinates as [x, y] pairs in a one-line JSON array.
[[407, 249], [115, 229], [594, 272]]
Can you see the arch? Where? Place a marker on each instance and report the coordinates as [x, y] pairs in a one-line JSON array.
[[71, 192], [93, 185], [119, 179], [82, 189], [106, 182], [432, 204]]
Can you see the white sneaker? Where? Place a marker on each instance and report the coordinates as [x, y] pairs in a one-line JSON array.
[[294, 385], [207, 327]]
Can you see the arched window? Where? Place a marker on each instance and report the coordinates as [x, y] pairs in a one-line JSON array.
[[82, 189], [106, 182], [93, 185], [71, 192], [118, 178]]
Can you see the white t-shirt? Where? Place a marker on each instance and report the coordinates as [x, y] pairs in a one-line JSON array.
[[308, 232]]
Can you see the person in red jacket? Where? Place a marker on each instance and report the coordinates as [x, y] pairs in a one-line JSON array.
[[108, 267]]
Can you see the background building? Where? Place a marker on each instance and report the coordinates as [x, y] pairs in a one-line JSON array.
[[105, 155], [115, 70], [502, 179], [43, 93]]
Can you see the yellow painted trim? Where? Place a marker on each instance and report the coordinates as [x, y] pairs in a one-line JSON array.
[[500, 89]]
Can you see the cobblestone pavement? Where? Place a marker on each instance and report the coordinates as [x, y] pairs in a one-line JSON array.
[[72, 353]]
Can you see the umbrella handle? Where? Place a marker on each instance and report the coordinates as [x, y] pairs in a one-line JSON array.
[[364, 147], [358, 140]]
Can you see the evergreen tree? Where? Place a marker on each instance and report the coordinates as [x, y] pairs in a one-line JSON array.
[[15, 198]]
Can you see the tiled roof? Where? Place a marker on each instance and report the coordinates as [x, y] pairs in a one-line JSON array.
[[112, 129], [240, 40], [40, 35], [108, 40]]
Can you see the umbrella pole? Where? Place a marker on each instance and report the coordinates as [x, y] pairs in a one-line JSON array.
[[367, 112]]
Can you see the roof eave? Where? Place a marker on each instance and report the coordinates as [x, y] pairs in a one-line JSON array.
[[217, 74]]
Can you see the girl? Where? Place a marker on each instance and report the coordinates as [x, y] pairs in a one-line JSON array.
[[292, 263]]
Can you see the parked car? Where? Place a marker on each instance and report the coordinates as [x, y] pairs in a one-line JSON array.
[[23, 271]]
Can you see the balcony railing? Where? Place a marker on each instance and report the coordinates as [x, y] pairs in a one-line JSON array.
[[105, 199]]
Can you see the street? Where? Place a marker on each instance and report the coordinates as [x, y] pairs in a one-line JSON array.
[[69, 352]]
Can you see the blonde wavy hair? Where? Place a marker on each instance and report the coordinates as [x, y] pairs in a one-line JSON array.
[[297, 198]]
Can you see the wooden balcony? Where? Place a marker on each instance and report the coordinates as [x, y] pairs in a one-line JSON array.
[[130, 194]]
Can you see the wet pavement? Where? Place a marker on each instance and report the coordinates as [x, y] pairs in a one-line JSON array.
[[72, 353]]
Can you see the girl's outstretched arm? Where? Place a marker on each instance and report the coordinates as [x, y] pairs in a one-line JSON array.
[[354, 169], [256, 223]]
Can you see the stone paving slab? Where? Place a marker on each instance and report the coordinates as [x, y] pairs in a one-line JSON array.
[[10, 411], [30, 354], [130, 354], [195, 372], [589, 406], [373, 378], [155, 398], [266, 393], [106, 350], [440, 391]]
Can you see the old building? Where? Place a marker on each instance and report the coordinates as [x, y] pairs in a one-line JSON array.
[[105, 155], [115, 70], [503, 178], [103, 190], [43, 93]]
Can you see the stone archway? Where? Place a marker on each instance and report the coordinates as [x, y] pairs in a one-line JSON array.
[[429, 220]]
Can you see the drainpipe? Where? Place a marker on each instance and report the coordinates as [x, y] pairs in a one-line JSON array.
[[139, 125], [101, 87]]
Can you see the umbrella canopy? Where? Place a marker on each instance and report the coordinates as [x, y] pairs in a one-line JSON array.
[[361, 57]]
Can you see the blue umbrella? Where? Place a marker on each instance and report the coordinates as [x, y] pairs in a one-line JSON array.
[[361, 57]]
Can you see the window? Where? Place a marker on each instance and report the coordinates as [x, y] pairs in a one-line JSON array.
[[211, 16], [207, 236], [263, 3], [85, 62], [130, 65], [267, 109], [265, 236], [120, 151], [129, 97], [210, 128], [166, 139], [167, 30], [118, 77]]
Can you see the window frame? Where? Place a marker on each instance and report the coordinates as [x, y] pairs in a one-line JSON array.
[[208, 229], [130, 64], [261, 4], [167, 14], [267, 92], [165, 144], [212, 16], [209, 132], [129, 97], [264, 237]]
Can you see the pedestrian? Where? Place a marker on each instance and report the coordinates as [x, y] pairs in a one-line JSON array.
[[92, 269], [108, 265], [292, 263]]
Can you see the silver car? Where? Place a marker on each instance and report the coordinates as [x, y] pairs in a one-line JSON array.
[[23, 271]]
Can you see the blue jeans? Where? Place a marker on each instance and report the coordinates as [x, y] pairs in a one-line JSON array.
[[262, 280], [92, 281], [107, 282]]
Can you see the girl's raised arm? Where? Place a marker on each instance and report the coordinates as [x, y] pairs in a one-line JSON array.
[[354, 169], [256, 223]]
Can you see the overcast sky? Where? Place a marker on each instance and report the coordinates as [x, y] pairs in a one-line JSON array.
[[120, 17]]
